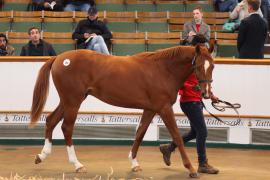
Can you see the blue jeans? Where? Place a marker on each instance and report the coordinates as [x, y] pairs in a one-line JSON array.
[[98, 44], [227, 5], [194, 112], [77, 6]]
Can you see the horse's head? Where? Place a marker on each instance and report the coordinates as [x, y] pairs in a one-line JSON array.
[[203, 64]]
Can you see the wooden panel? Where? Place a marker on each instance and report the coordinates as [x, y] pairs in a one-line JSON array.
[[57, 35], [28, 14], [18, 35], [152, 15], [120, 35], [120, 15], [128, 41], [160, 35], [66, 14]]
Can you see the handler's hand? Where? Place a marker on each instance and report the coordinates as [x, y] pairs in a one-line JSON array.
[[214, 98]]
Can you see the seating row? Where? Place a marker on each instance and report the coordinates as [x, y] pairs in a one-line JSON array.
[[128, 43], [128, 5], [116, 21]]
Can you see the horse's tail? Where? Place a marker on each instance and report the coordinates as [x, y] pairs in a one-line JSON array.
[[40, 91]]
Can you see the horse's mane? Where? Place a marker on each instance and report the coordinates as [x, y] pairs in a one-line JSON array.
[[167, 53]]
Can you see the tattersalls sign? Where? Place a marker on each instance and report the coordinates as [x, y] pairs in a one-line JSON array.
[[240, 134], [130, 119]]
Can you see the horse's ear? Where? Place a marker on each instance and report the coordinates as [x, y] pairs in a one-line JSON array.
[[197, 49], [212, 45]]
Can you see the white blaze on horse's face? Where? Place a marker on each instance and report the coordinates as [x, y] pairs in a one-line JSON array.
[[206, 65], [206, 68]]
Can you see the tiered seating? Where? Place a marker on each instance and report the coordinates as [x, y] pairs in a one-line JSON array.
[[18, 5], [142, 6], [61, 42], [128, 43], [152, 21], [226, 44], [120, 21], [111, 5], [18, 40], [172, 6], [58, 21], [153, 5], [157, 41], [131, 43], [206, 6], [5, 19], [21, 21], [137, 25]]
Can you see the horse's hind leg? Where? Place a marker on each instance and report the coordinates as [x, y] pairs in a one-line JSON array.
[[51, 121], [144, 124], [168, 117], [70, 115]]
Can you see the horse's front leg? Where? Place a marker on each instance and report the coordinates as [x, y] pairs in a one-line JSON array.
[[167, 116], [67, 128], [51, 121], [144, 124]]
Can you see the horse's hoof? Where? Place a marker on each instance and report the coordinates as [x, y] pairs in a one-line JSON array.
[[81, 170], [37, 159], [194, 175], [136, 169]]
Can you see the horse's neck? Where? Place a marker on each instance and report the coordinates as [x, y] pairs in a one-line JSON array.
[[180, 66]]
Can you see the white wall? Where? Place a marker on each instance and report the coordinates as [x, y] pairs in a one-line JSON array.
[[245, 84]]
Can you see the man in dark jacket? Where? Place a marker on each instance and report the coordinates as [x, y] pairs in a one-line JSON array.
[[92, 33], [36, 46], [252, 33]]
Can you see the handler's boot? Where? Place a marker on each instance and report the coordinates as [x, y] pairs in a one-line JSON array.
[[166, 152], [206, 168]]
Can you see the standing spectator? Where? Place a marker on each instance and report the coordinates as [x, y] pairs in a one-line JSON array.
[[252, 33], [196, 26], [47, 5], [37, 46], [92, 33], [265, 7], [78, 5], [241, 11], [225, 5], [5, 48]]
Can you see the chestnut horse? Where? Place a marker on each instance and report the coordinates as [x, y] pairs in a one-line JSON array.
[[148, 81]]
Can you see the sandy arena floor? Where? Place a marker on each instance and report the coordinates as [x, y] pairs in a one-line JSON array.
[[234, 164]]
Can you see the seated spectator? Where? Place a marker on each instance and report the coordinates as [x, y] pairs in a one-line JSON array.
[[47, 5], [241, 11], [225, 5], [78, 5], [5, 48], [196, 26], [92, 33], [37, 46], [1, 4]]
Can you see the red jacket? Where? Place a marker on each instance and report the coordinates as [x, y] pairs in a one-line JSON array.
[[188, 92]]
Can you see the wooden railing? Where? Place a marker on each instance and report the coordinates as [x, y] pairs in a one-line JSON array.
[[217, 60]]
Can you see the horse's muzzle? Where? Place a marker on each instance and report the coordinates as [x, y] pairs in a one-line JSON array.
[[205, 95]]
